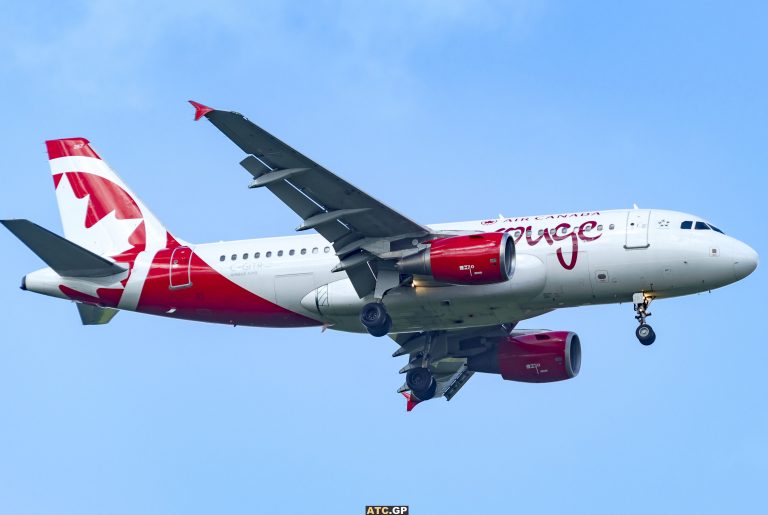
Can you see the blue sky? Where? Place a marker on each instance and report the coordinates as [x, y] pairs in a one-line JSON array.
[[446, 110]]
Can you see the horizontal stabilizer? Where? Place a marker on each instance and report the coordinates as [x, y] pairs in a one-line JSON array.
[[95, 315], [64, 257]]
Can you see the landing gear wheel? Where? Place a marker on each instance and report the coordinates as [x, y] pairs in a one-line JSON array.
[[382, 330], [421, 383], [375, 318], [645, 334]]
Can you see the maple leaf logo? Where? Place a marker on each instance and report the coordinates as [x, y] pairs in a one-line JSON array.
[[99, 215]]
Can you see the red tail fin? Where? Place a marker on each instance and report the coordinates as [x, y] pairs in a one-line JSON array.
[[98, 210]]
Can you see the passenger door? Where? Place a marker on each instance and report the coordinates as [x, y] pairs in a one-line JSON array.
[[637, 229], [179, 270]]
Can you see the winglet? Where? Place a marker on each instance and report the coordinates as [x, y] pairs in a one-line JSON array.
[[200, 109], [412, 401]]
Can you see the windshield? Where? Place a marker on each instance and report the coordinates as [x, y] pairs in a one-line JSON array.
[[699, 226]]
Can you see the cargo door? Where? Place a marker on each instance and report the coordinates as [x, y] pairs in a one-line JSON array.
[[568, 278], [290, 289]]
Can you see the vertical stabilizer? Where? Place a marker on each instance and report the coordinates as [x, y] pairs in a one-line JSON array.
[[98, 210]]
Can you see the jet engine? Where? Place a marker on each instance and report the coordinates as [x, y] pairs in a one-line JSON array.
[[486, 258], [537, 357]]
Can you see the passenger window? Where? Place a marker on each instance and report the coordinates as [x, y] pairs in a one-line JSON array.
[[541, 232], [279, 253], [327, 250], [314, 250], [234, 257], [269, 254], [222, 258], [245, 256], [303, 251], [686, 225], [611, 227], [599, 228], [257, 255], [291, 252], [701, 226]]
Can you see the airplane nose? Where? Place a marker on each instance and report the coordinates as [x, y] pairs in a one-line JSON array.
[[744, 260]]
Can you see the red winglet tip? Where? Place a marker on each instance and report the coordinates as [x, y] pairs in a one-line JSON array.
[[200, 109], [411, 402]]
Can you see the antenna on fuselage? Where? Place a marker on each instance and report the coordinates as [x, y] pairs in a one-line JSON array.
[[635, 206]]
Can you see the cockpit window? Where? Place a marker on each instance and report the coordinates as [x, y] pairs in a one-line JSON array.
[[701, 226], [686, 225], [715, 228]]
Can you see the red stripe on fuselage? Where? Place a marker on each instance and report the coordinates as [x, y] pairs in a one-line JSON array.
[[107, 297], [210, 298]]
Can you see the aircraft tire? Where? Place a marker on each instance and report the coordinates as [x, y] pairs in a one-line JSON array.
[[375, 318], [645, 334], [421, 382], [381, 330]]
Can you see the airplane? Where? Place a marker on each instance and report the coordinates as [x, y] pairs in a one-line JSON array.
[[450, 295]]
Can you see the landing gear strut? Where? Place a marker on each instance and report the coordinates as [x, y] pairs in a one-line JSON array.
[[375, 318], [644, 332]]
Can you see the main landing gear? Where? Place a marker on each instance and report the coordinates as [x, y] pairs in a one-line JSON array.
[[644, 332], [421, 382], [375, 318]]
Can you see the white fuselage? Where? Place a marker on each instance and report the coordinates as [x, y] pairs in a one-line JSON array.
[[562, 260]]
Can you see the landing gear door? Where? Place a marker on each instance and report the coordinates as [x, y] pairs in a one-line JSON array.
[[637, 229]]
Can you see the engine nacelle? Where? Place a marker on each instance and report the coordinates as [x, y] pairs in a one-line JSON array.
[[532, 358], [486, 258]]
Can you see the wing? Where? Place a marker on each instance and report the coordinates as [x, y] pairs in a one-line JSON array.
[[445, 354], [360, 227]]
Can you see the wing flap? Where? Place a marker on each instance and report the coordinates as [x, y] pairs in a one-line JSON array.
[[458, 382]]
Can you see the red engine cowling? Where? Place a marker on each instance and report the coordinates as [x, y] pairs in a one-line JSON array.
[[532, 358], [473, 259]]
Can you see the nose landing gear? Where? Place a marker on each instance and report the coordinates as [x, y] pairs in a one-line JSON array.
[[644, 332]]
